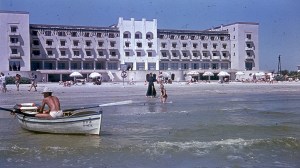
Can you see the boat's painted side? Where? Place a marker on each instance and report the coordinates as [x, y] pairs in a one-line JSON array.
[[78, 123]]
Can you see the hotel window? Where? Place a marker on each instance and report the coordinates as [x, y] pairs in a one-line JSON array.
[[112, 44], [215, 46], [127, 44], [163, 45], [138, 36], [205, 66], [149, 54], [214, 54], [13, 29], [195, 66], [163, 66], [151, 66], [174, 54], [205, 54], [214, 66], [224, 54], [224, 46], [127, 54], [62, 52], [88, 53], [61, 33], [182, 37], [74, 34], [161, 36], [34, 32], [14, 51], [195, 54], [195, 45], [100, 53], [248, 54], [125, 35], [204, 45], [150, 45], [112, 65], [138, 54], [212, 38], [47, 33], [61, 65], [100, 43], [99, 35], [139, 45], [88, 43], [248, 36], [36, 52], [49, 52], [49, 42], [36, 42], [100, 65], [111, 35], [192, 37], [174, 66], [76, 43], [224, 66], [174, 45], [184, 44], [14, 40], [222, 38], [140, 66], [86, 34], [76, 52], [62, 43], [184, 66], [248, 45], [113, 53], [164, 54], [184, 54], [172, 37], [202, 37], [148, 36]]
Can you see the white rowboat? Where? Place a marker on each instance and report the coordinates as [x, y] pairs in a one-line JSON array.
[[85, 122]]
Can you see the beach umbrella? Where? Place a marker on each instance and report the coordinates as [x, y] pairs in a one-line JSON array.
[[95, 75], [165, 74], [259, 74], [223, 73], [75, 74], [193, 73], [208, 73]]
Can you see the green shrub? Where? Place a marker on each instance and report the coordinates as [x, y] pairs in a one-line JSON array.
[[11, 80]]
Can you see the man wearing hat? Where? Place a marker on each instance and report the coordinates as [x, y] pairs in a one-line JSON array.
[[53, 104]]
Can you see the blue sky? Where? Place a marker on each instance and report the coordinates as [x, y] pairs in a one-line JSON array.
[[279, 19]]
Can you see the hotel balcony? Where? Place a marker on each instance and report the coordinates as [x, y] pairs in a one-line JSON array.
[[76, 47], [114, 47], [248, 40], [63, 56], [15, 56], [249, 56], [14, 33], [139, 48], [51, 56], [100, 47], [225, 58], [76, 56], [65, 46], [50, 46], [116, 57], [174, 58], [196, 57], [205, 57], [249, 48], [164, 57], [186, 48], [101, 56], [216, 57], [88, 47], [185, 58], [15, 44]]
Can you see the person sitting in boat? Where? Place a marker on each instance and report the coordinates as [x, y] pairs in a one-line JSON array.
[[53, 104]]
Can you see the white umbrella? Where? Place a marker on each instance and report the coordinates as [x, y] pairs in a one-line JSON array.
[[193, 73], [75, 74], [260, 74], [95, 75], [165, 74], [208, 73], [223, 73]]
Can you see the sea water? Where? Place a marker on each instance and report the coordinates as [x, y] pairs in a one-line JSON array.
[[201, 125]]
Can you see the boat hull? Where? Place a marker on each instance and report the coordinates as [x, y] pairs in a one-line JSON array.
[[85, 123]]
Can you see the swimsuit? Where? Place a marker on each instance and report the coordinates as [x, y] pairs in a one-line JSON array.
[[55, 114]]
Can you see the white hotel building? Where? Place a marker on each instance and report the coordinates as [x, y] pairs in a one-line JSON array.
[[54, 51]]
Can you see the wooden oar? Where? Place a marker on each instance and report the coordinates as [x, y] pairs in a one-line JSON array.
[[16, 111], [101, 105]]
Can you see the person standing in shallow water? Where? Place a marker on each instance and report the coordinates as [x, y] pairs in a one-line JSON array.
[[33, 82], [163, 93], [151, 92]]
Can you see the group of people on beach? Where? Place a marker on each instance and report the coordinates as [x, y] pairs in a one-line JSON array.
[[17, 78], [151, 92]]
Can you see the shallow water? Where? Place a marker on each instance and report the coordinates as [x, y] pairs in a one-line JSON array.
[[200, 126]]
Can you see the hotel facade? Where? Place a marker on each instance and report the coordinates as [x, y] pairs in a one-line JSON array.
[[54, 51]]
